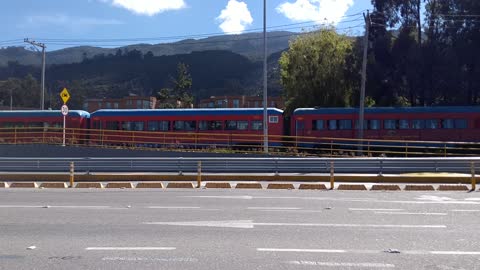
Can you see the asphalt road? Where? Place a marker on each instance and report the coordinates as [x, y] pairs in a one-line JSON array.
[[205, 229]]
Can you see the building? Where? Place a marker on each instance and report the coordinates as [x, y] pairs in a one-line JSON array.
[[240, 102], [130, 102]]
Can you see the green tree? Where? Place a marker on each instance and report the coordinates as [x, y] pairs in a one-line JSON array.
[[313, 71], [182, 85]]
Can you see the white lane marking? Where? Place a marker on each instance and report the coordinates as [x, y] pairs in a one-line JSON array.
[[249, 224], [464, 210], [339, 264], [60, 206], [373, 209], [472, 199], [294, 211], [128, 248], [173, 207], [411, 213], [301, 250], [455, 252], [221, 197], [273, 208], [149, 259], [373, 200]]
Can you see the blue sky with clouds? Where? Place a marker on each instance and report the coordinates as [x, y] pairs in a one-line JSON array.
[[91, 22]]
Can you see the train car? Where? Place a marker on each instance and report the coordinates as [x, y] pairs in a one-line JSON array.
[[404, 123], [185, 127], [43, 126]]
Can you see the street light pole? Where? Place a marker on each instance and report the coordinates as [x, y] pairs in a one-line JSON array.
[[265, 103], [362, 90], [41, 45]]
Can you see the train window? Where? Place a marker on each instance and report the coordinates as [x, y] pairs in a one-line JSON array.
[[374, 124], [357, 124], [345, 124], [112, 125], [299, 125], [431, 124], [448, 123], [403, 124], [230, 125], [137, 126], [158, 125], [178, 125], [97, 124], [35, 126], [390, 124], [126, 126], [257, 125], [210, 125], [418, 124], [461, 123], [332, 124], [273, 119], [242, 125], [317, 124], [57, 126], [19, 125]]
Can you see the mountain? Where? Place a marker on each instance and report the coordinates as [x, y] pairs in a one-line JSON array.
[[249, 45]]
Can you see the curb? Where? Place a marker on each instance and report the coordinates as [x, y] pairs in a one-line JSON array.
[[452, 188], [313, 186], [385, 188], [54, 185], [218, 185], [89, 185], [419, 188], [150, 185], [24, 185], [351, 187], [280, 186], [180, 185], [119, 185], [249, 186]]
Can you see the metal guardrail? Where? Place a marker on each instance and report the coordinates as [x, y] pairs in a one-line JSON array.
[[181, 165]]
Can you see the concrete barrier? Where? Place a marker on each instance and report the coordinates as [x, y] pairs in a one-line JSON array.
[[24, 185], [280, 186], [385, 188], [249, 186], [218, 185], [54, 185], [180, 185], [3, 185], [120, 185], [313, 186], [452, 188], [419, 188], [351, 187], [89, 185], [150, 185]]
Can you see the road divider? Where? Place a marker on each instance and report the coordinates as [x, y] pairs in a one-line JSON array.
[[24, 185], [218, 185], [54, 185], [351, 187], [249, 186], [419, 188], [385, 188], [89, 185], [120, 185], [313, 186], [452, 188], [150, 185], [180, 185], [280, 186]]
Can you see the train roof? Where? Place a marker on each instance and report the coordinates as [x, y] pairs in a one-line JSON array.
[[184, 112], [383, 110], [44, 113]]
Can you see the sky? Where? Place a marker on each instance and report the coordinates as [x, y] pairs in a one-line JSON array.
[[113, 23]]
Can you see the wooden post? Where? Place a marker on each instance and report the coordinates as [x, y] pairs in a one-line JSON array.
[[474, 181], [332, 176], [72, 174], [199, 174]]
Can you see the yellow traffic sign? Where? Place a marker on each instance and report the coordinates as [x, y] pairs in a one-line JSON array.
[[65, 95]]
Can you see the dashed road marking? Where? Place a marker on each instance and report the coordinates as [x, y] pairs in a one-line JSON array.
[[373, 209], [273, 208], [411, 213], [341, 264], [301, 250], [464, 210], [128, 248], [173, 207]]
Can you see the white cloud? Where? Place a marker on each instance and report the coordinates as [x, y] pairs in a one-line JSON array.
[[235, 17], [328, 11], [148, 7]]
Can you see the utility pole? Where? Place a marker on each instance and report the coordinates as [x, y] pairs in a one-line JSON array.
[[41, 45], [265, 103], [361, 117]]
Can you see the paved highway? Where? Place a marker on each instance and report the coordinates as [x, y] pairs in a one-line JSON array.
[[264, 229]]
